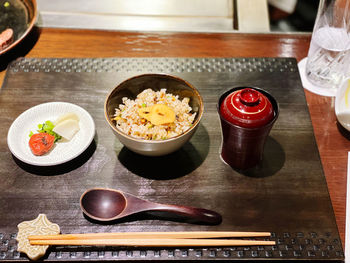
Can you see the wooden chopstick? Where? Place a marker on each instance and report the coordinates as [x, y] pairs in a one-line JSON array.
[[150, 235], [164, 242]]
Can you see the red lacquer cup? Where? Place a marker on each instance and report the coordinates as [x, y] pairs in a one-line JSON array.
[[247, 115]]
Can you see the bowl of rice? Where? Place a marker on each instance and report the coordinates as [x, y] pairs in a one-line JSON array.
[[154, 114]]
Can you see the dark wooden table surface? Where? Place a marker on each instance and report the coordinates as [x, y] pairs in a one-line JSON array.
[[333, 142]]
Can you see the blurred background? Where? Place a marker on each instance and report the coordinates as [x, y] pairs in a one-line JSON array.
[[181, 15]]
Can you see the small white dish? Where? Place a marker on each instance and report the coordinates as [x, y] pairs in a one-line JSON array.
[[342, 104], [63, 151]]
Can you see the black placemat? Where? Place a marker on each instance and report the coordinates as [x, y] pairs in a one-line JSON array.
[[286, 195]]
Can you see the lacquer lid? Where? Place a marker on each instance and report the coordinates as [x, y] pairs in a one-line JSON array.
[[247, 108]]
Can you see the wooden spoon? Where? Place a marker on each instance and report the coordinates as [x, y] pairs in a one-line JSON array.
[[108, 204]]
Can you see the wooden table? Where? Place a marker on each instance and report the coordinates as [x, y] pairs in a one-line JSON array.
[[333, 142]]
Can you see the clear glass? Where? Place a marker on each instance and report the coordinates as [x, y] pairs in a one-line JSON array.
[[328, 60]]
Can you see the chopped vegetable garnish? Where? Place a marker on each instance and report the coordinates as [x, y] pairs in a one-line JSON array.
[[47, 127]]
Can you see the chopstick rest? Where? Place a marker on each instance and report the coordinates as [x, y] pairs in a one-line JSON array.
[[39, 226]]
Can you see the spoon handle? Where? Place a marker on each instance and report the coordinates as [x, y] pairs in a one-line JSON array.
[[198, 214]]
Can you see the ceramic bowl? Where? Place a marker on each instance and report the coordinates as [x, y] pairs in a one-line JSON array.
[[130, 88], [20, 16], [342, 104]]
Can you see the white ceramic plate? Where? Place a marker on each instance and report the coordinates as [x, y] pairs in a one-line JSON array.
[[63, 151]]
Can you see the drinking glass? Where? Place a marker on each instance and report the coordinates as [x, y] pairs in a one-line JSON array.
[[329, 53]]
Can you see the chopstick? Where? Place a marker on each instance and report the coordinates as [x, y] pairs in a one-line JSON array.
[[150, 235], [164, 242], [153, 239]]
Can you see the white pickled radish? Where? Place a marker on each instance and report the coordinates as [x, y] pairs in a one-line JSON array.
[[66, 116], [67, 128]]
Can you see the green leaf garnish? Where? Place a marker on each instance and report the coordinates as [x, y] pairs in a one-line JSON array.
[[47, 127]]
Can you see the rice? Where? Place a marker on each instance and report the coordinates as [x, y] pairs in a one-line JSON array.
[[129, 121]]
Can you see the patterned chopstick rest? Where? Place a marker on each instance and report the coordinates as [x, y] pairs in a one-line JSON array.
[[39, 226]]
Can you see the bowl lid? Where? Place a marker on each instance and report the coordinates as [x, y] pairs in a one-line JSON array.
[[247, 108]]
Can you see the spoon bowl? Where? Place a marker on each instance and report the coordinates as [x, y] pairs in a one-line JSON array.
[[104, 204]]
